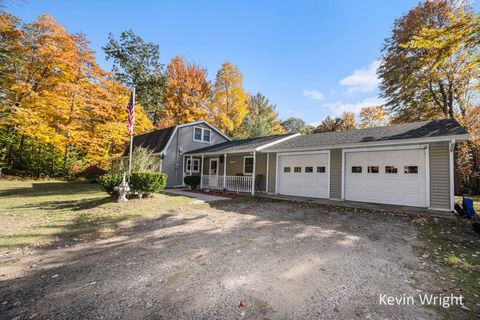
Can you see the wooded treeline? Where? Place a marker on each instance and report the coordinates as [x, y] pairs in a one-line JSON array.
[[61, 113]]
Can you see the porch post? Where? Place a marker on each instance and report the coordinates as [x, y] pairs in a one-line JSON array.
[[184, 168], [253, 172], [201, 173], [191, 165], [224, 170], [266, 180]]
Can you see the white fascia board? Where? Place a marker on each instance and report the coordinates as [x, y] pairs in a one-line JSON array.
[[458, 138], [277, 141]]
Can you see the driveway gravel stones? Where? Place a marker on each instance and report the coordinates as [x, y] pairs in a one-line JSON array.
[[279, 260]]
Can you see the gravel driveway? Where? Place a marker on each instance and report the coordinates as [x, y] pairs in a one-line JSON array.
[[279, 259]]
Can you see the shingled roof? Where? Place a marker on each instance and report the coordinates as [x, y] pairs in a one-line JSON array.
[[154, 141], [239, 145], [425, 129]]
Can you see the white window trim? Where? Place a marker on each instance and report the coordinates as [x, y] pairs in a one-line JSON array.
[[202, 139], [188, 165], [247, 173]]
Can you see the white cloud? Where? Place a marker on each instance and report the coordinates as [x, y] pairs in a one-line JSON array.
[[338, 107], [313, 94], [362, 80]]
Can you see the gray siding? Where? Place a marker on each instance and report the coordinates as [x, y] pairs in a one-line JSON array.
[[272, 172], [183, 138], [336, 173], [439, 176]]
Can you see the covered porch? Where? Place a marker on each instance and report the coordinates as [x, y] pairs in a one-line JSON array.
[[241, 172]]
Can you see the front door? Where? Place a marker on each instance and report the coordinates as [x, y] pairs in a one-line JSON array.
[[213, 173]]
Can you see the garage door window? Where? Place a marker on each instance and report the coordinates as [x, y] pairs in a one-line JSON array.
[[391, 169], [308, 169], [410, 169], [286, 169], [297, 169], [372, 169], [321, 169], [356, 169]]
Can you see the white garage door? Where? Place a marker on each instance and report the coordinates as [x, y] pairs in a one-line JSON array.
[[391, 177], [303, 175]]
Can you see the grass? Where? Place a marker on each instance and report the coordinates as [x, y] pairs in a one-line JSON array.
[[452, 251], [36, 213], [476, 202]]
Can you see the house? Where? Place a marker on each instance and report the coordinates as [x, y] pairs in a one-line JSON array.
[[407, 164], [170, 144]]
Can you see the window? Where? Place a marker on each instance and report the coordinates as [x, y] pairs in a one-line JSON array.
[[410, 169], [391, 169], [308, 169], [201, 134], [286, 169], [196, 166], [247, 165], [373, 169], [206, 135], [297, 169], [320, 169], [357, 169]]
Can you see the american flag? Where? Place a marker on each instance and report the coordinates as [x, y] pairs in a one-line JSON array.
[[131, 113]]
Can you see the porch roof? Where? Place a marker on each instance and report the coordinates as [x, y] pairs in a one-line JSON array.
[[238, 146]]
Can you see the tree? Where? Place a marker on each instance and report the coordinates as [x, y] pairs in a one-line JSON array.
[[346, 122], [187, 92], [420, 79], [136, 64], [373, 116], [431, 69], [262, 119], [296, 125], [229, 105], [58, 110]]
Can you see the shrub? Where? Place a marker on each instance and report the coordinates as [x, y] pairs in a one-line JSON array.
[[109, 181], [93, 173], [145, 183], [192, 181]]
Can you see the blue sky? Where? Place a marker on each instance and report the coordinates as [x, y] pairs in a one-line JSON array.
[[311, 58]]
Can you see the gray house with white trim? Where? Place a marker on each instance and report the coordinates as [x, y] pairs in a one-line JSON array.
[[407, 164]]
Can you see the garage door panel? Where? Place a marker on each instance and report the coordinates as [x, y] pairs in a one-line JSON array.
[[391, 188], [307, 184]]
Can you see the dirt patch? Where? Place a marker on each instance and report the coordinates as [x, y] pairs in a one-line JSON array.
[[282, 260]]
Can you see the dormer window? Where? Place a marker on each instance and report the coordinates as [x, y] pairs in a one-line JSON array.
[[201, 134]]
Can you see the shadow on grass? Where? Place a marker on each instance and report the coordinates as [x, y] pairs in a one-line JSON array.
[[38, 189], [74, 205]]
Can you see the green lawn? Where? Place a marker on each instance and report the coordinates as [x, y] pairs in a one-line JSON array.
[[34, 213], [453, 251]]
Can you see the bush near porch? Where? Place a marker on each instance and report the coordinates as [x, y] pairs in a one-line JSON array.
[[192, 181]]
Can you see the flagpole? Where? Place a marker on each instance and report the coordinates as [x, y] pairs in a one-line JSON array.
[[131, 140]]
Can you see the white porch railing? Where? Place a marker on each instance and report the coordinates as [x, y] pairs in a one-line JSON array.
[[232, 183]]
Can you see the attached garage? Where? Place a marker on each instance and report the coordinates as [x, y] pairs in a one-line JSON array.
[[394, 176], [303, 174]]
